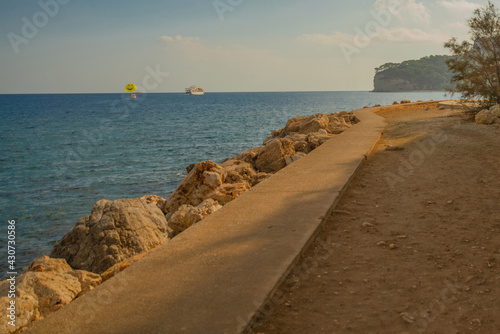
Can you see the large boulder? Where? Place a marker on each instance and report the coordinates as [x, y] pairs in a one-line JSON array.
[[188, 215], [197, 186], [485, 117], [229, 191], [290, 159], [293, 125], [239, 171], [314, 140], [338, 124], [210, 180], [495, 110], [248, 156], [277, 133], [115, 231], [155, 199], [314, 123], [350, 119], [299, 142], [41, 289], [271, 157]]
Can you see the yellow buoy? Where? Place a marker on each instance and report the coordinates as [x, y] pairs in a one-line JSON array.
[[130, 88]]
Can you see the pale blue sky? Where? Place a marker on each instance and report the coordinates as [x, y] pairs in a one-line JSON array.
[[242, 45]]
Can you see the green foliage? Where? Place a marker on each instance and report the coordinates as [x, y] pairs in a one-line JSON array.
[[476, 63], [427, 73]]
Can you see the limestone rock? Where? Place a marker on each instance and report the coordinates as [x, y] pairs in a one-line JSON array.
[[249, 155], [299, 142], [277, 133], [189, 168], [296, 137], [395, 102], [485, 117], [239, 171], [210, 180], [229, 191], [271, 156], [43, 288], [115, 231], [260, 176], [290, 159], [201, 182], [156, 200], [268, 139], [495, 110], [188, 215], [350, 119], [314, 123], [301, 146], [315, 139], [405, 101], [293, 125], [338, 123]]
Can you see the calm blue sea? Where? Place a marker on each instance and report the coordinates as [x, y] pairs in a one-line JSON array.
[[59, 154]]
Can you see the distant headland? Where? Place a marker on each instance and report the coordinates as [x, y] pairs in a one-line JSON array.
[[426, 74]]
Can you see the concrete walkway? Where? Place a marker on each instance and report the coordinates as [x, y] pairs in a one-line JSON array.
[[217, 275]]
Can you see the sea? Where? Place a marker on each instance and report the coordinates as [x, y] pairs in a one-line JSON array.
[[61, 153]]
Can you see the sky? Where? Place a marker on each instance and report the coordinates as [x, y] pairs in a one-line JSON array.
[[91, 46]]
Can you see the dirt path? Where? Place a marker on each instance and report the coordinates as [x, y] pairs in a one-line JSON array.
[[414, 245]]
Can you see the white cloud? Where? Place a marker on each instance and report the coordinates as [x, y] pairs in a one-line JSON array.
[[459, 5], [405, 10], [178, 39]]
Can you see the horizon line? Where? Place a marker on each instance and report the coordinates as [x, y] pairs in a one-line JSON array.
[[228, 92]]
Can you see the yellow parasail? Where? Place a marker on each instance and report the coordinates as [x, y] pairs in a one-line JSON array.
[[130, 88]]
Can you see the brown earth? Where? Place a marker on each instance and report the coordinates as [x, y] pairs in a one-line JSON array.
[[414, 244]]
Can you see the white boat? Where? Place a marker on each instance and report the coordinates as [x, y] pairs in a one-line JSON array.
[[195, 90]]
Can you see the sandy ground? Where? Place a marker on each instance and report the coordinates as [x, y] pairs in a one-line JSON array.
[[414, 244]]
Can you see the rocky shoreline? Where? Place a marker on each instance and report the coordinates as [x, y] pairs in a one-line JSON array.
[[118, 233]]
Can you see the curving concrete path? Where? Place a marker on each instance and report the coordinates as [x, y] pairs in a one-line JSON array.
[[219, 275]]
